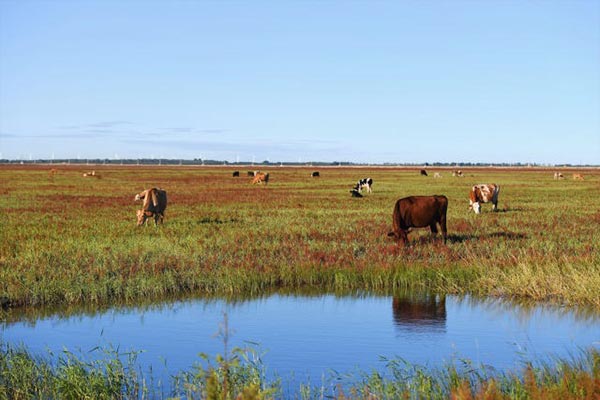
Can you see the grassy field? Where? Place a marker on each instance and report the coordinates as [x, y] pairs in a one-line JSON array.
[[67, 239]]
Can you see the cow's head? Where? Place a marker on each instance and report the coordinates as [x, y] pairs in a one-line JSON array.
[[474, 200], [399, 236], [142, 216]]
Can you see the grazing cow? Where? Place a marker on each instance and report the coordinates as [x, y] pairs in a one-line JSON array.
[[236, 174], [362, 183], [261, 177], [437, 175], [250, 173], [577, 177], [91, 174], [154, 205], [423, 172], [315, 174], [483, 193], [355, 193], [458, 173], [419, 212], [558, 175]]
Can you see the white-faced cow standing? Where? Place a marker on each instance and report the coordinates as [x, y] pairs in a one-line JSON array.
[[364, 183], [154, 205], [483, 193], [419, 212]]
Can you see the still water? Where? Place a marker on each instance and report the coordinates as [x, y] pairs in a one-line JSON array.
[[310, 336]]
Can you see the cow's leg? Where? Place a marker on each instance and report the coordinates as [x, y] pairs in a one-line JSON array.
[[433, 228], [495, 205], [443, 226]]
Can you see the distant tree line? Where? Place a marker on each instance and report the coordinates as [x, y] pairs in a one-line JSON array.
[[199, 161]]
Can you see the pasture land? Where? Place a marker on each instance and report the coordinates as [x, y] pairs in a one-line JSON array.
[[66, 239]]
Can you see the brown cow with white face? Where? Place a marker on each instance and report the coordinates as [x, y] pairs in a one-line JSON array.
[[154, 205], [483, 193], [419, 212]]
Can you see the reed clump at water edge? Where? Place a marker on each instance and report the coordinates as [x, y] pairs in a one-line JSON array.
[[241, 375]]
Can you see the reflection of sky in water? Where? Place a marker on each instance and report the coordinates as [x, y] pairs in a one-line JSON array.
[[311, 335]]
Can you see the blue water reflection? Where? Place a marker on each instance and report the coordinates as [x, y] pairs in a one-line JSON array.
[[312, 335]]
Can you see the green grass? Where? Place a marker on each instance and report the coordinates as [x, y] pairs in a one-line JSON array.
[[241, 375], [72, 240]]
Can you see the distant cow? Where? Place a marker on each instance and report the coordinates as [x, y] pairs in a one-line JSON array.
[[236, 174], [423, 172], [483, 193], [91, 174], [458, 173], [154, 205], [577, 177], [558, 175], [250, 173], [364, 183], [315, 174], [261, 177], [437, 175], [419, 212]]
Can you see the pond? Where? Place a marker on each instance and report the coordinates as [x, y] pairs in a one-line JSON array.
[[308, 336]]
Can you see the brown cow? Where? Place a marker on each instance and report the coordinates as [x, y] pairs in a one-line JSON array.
[[154, 205], [577, 177], [419, 212], [261, 177]]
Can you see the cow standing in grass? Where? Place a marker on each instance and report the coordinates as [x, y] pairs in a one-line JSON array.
[[419, 212], [364, 183], [153, 206], [483, 193], [260, 177]]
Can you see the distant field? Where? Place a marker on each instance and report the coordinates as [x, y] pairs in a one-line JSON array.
[[65, 238]]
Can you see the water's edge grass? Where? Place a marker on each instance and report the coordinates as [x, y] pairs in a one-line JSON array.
[[241, 375]]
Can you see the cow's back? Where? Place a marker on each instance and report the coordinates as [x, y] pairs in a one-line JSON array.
[[420, 211]]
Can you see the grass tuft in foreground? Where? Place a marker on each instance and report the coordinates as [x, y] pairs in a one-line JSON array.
[[241, 375]]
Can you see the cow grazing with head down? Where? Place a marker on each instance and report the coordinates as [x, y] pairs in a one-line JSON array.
[[355, 193], [153, 206], [364, 183], [315, 174], [577, 177], [419, 212], [236, 174], [483, 193], [558, 176], [423, 172], [260, 177]]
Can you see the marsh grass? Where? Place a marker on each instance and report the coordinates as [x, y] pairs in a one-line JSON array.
[[239, 374], [70, 240]]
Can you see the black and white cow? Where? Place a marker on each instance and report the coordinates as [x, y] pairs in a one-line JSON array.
[[364, 183]]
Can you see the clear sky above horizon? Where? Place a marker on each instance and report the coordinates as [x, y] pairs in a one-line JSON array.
[[362, 81]]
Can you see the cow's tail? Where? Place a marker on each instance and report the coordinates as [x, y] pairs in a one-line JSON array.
[[154, 197]]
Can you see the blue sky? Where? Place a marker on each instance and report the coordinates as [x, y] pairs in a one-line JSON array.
[[363, 81]]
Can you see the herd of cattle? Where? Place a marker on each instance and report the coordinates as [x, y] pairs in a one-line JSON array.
[[409, 212]]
